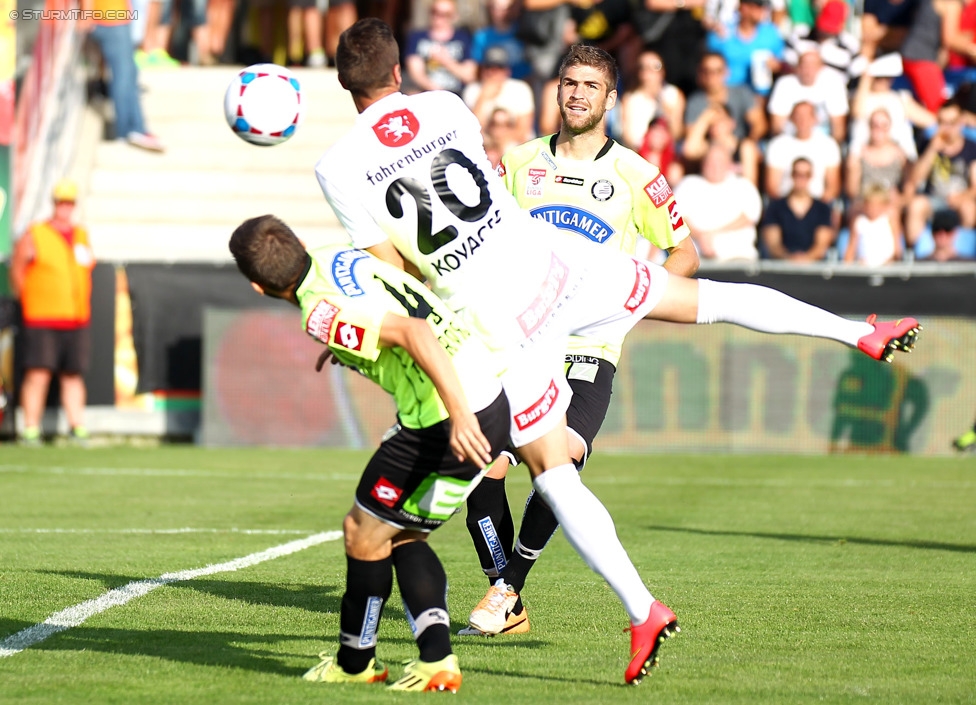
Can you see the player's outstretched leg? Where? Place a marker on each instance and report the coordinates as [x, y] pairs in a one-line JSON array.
[[770, 311], [423, 586], [368, 587], [646, 638]]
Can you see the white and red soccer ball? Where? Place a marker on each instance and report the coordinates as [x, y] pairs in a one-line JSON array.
[[263, 104]]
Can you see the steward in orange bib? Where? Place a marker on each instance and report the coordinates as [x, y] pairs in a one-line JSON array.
[[50, 273]]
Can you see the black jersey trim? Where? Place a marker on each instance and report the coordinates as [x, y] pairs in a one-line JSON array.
[[602, 153]]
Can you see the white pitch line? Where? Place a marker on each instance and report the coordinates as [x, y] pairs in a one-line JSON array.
[[77, 614], [184, 530]]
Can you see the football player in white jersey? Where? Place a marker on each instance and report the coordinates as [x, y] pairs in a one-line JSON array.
[[411, 183], [586, 184]]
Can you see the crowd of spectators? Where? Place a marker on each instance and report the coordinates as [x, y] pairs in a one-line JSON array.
[[852, 128]]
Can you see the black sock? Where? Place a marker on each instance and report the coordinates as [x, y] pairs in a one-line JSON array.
[[538, 526], [423, 587], [490, 524], [368, 587]]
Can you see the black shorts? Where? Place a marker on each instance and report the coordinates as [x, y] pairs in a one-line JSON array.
[[413, 481], [591, 379], [65, 351]]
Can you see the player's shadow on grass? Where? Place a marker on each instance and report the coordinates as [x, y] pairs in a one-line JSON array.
[[229, 649], [926, 545], [253, 651], [314, 598]]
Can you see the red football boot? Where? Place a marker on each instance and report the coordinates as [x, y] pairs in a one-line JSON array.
[[889, 337], [646, 639]]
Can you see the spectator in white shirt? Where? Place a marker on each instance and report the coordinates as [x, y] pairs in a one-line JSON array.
[[813, 83], [720, 208], [808, 142]]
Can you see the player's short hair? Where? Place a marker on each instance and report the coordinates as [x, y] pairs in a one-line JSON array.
[[268, 253], [586, 55], [366, 55]]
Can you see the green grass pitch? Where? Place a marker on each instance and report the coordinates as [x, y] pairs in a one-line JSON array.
[[795, 580]]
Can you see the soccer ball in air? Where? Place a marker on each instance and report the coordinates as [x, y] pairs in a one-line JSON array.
[[263, 104]]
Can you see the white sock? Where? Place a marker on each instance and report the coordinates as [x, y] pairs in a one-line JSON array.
[[589, 529], [770, 311]]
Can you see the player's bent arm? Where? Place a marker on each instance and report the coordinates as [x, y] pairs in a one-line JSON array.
[[387, 252], [416, 337], [683, 258]]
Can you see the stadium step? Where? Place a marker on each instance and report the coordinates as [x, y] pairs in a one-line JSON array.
[[182, 205]]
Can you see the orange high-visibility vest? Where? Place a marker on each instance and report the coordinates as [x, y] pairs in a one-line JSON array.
[[57, 284]]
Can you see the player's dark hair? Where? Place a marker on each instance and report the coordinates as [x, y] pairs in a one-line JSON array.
[[268, 253], [366, 55], [586, 55]]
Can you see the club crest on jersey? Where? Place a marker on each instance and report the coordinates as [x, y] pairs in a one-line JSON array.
[[676, 220], [533, 188], [602, 190], [642, 285], [397, 128], [344, 272], [349, 336], [568, 180], [385, 492], [575, 220], [320, 320], [658, 190]]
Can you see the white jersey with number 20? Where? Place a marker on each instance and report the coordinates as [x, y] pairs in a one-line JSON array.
[[413, 170]]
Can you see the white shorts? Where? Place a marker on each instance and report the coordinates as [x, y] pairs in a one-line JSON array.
[[587, 291]]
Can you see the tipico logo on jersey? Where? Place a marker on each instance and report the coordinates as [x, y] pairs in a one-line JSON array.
[[344, 274], [397, 128], [658, 190], [533, 187], [494, 544], [642, 285], [676, 220], [539, 311], [349, 336], [575, 220], [320, 320], [385, 492], [537, 411]]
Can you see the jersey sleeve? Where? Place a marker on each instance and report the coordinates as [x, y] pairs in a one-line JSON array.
[[347, 325], [656, 211], [359, 224]]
